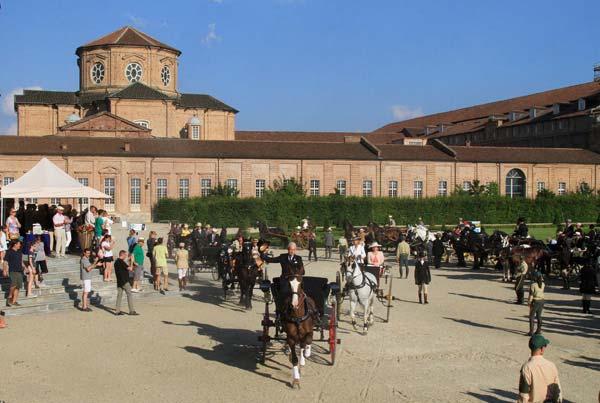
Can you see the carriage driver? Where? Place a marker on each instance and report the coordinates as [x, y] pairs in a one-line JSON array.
[[357, 250], [391, 221], [521, 230]]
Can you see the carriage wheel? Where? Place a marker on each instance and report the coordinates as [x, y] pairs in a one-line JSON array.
[[215, 273], [333, 341], [339, 298], [389, 299], [264, 338]]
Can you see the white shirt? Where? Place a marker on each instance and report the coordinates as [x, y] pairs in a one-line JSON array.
[[2, 241], [90, 219], [107, 249], [357, 251], [58, 220]]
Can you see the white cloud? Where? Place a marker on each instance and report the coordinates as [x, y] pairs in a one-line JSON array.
[[403, 112], [8, 99], [138, 21], [211, 36]]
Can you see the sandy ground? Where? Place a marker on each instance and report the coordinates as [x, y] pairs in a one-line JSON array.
[[466, 345]]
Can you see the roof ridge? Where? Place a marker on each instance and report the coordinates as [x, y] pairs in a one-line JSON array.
[[123, 30]]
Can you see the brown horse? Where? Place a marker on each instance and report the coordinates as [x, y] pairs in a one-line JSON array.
[[535, 257], [298, 319]]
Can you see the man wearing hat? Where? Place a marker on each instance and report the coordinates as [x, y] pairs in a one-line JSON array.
[[538, 381], [60, 236], [391, 221], [357, 250], [196, 236], [521, 230]]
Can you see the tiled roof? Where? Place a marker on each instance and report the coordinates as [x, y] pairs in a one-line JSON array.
[[180, 148], [127, 36], [203, 101], [46, 97], [133, 91], [138, 90], [324, 137], [546, 98]]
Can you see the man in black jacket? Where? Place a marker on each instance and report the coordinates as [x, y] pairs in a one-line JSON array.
[[438, 250], [122, 270], [290, 262], [422, 277]]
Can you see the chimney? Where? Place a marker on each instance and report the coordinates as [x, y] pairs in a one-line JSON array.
[[597, 72]]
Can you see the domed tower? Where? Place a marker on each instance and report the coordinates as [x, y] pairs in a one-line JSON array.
[[124, 57]]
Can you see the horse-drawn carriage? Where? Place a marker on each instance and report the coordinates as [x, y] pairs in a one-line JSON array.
[[294, 316]]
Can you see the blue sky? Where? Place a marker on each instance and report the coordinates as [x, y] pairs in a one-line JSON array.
[[318, 64]]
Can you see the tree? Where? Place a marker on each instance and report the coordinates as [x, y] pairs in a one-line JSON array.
[[545, 193], [224, 191], [286, 187], [476, 188], [492, 189], [584, 189]]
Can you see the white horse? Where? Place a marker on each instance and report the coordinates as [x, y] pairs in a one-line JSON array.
[[361, 286], [422, 232]]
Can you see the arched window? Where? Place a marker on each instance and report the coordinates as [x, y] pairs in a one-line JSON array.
[[515, 183]]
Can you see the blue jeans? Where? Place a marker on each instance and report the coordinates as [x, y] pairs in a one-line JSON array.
[[404, 263]]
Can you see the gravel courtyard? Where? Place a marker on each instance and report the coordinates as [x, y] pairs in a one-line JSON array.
[[467, 345]]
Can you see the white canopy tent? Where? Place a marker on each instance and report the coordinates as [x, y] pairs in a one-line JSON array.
[[46, 180]]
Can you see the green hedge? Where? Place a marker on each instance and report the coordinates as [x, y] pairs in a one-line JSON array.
[[286, 211]]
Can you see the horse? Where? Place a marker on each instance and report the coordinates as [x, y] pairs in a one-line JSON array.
[[267, 232], [362, 287], [535, 257], [298, 321], [418, 236], [248, 269]]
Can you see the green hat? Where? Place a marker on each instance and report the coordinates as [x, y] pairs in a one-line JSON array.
[[538, 341]]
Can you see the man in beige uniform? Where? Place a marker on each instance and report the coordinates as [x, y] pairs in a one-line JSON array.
[[539, 377]]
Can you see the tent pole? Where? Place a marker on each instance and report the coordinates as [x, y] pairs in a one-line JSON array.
[[2, 211]]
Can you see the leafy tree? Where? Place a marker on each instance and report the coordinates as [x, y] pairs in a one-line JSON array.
[[492, 189], [584, 189], [224, 191], [286, 187], [545, 193], [476, 188]]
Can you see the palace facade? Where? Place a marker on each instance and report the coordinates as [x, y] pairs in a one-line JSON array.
[[130, 133]]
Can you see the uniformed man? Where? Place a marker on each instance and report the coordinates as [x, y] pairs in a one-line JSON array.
[[538, 381], [521, 230]]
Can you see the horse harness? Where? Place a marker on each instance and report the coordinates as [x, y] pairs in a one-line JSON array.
[[308, 311], [365, 281]]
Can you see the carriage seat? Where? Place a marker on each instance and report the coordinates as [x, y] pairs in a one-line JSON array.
[[316, 288]]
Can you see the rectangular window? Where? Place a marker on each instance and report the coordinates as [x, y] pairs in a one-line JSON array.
[[466, 186], [443, 188], [231, 184], [135, 194], [393, 189], [195, 132], [8, 180], [184, 188], [541, 186], [260, 187], [418, 189], [55, 201], [340, 185], [84, 202], [367, 188], [109, 189], [562, 188], [205, 187], [315, 187], [161, 189]]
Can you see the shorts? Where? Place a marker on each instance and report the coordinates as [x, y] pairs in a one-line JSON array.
[[41, 267], [87, 285], [138, 272], [181, 273], [162, 270], [107, 259], [16, 279]]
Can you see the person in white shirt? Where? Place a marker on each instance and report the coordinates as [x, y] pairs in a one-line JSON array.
[[90, 216], [107, 224], [107, 244], [357, 250], [60, 236], [3, 244]]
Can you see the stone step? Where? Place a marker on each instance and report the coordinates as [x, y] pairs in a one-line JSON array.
[[107, 300]]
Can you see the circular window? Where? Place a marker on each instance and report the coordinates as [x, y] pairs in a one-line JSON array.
[[133, 72], [97, 73], [165, 75]]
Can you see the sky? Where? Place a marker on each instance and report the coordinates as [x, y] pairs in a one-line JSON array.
[[318, 65]]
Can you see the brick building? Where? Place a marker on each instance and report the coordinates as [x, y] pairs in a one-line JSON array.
[[130, 133]]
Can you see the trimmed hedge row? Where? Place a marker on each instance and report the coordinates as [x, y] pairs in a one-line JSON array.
[[286, 211]]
